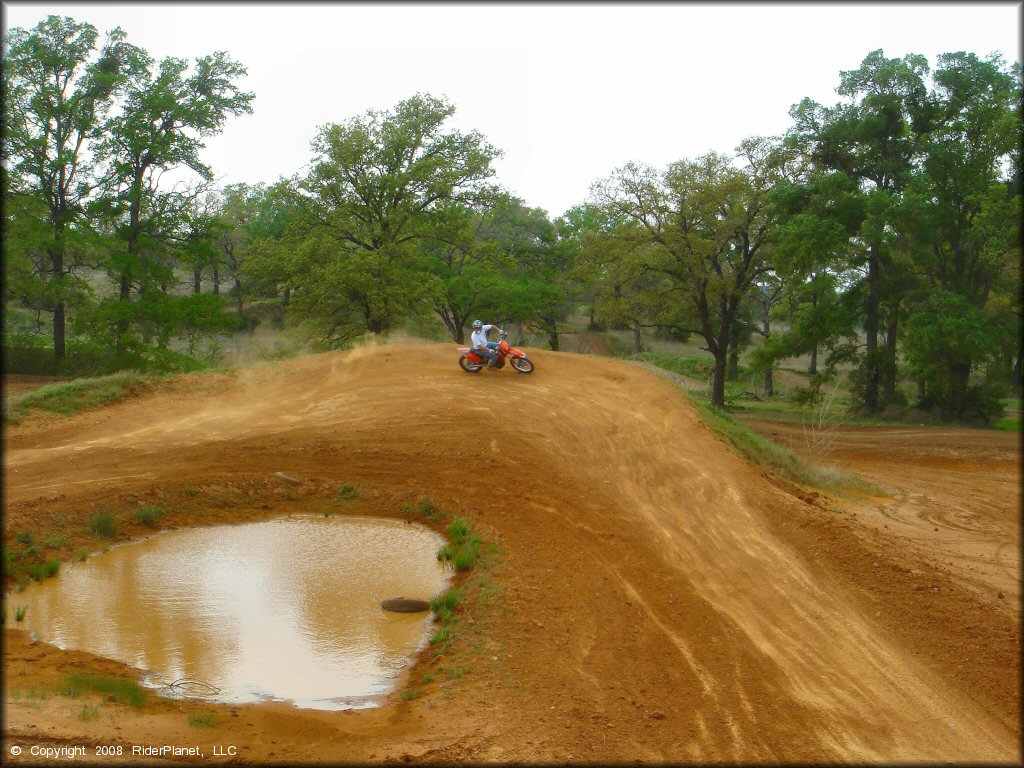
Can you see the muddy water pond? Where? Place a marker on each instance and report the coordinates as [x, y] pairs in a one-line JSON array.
[[286, 609]]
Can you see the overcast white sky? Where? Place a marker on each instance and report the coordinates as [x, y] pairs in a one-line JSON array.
[[568, 92]]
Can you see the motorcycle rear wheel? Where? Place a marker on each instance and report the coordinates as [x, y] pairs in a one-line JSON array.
[[521, 364], [469, 366]]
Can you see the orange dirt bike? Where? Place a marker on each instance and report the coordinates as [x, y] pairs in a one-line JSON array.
[[472, 362]]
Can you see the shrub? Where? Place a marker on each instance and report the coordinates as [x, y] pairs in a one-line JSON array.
[[458, 530], [149, 514], [103, 524], [80, 556], [56, 542], [24, 537], [347, 492], [467, 554]]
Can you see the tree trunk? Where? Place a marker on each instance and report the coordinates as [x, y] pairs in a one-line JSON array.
[[59, 317], [889, 365], [592, 322], [1016, 374], [813, 367], [920, 391], [637, 343], [718, 382], [871, 361], [216, 281], [553, 337], [732, 372], [197, 280], [238, 296], [769, 382]]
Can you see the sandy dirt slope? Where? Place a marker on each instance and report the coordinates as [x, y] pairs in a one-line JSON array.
[[660, 599]]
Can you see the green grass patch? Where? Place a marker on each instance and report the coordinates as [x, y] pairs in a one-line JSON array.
[[441, 634], [56, 542], [1009, 425], [426, 509], [89, 712], [81, 556], [410, 694], [347, 492], [123, 690], [19, 612], [149, 514], [204, 720], [428, 677], [103, 524], [69, 397], [190, 492], [467, 554], [458, 529], [25, 537], [40, 571]]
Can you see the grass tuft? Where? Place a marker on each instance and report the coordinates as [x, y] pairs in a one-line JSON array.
[[56, 542], [123, 690], [81, 556], [204, 720], [89, 712], [103, 524], [40, 571], [149, 514], [19, 612], [25, 537], [458, 529], [410, 694], [347, 492]]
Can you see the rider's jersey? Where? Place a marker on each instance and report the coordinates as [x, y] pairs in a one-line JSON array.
[[480, 337]]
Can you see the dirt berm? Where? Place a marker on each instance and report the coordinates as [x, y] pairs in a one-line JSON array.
[[660, 600]]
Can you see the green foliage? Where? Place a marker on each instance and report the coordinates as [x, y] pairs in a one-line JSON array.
[[103, 524], [410, 694], [81, 556], [149, 514], [25, 537], [19, 612], [378, 184], [32, 354], [946, 337], [56, 542], [347, 492]]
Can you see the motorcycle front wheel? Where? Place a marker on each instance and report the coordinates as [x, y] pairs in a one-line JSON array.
[[469, 366], [521, 364]]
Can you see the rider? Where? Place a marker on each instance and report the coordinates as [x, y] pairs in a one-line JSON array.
[[481, 345]]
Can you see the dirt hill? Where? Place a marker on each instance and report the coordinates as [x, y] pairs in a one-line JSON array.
[[659, 599]]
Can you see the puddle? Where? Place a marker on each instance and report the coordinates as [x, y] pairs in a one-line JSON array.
[[286, 609]]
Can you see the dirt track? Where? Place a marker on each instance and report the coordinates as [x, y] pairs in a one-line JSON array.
[[661, 600]]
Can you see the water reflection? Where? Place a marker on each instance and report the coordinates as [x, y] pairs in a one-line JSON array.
[[288, 608]]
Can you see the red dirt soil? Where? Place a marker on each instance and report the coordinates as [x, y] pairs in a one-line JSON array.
[[661, 600]]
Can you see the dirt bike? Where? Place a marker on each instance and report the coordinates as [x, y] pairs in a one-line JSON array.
[[473, 362]]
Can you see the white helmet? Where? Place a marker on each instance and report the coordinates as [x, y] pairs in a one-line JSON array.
[[477, 325]]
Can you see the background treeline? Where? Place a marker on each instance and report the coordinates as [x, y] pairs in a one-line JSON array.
[[879, 236]]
